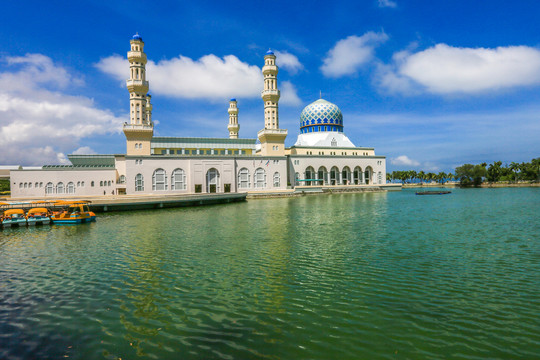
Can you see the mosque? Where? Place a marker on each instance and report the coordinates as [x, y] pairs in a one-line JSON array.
[[323, 156]]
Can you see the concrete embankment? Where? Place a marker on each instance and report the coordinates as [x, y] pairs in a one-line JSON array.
[[317, 190]]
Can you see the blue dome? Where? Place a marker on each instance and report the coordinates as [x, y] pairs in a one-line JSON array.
[[269, 52], [321, 115], [137, 37], [233, 99]]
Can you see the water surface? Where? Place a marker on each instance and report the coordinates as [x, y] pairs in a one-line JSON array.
[[376, 275]]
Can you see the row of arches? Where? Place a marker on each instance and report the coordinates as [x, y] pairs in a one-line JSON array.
[[160, 180], [259, 179], [337, 177]]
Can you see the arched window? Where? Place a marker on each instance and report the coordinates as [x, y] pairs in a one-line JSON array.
[[367, 175], [122, 179], [212, 181], [260, 178], [380, 178], [109, 183], [139, 182], [70, 189], [92, 184], [159, 180], [178, 180], [49, 188], [101, 183], [296, 178], [243, 179], [277, 178], [60, 188]]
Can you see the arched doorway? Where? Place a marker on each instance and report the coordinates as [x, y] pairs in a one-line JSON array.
[[212, 181], [310, 175], [346, 175], [367, 174], [322, 176], [334, 175], [357, 175]]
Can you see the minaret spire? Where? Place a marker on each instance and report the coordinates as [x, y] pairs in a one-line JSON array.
[[140, 129], [233, 120], [272, 138]]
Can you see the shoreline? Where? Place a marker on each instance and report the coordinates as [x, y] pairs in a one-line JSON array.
[[483, 185]]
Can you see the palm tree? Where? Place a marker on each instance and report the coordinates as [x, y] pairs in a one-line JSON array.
[[513, 167], [421, 175]]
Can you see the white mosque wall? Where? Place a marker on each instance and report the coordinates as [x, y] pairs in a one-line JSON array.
[[261, 173], [64, 183]]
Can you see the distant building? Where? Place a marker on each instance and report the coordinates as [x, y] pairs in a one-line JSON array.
[[322, 155]]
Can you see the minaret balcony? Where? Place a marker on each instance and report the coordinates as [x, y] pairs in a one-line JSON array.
[[270, 94], [270, 69], [137, 56], [139, 127], [140, 86]]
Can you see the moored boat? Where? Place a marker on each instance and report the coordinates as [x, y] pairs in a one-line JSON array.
[[13, 217], [433, 192], [38, 216], [76, 212]]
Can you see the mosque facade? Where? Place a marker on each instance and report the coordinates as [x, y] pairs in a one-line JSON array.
[[322, 156]]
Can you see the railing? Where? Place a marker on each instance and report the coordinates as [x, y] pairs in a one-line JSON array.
[[139, 126], [131, 82], [137, 55], [273, 131]]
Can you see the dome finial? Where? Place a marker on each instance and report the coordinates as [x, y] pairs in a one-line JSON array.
[[320, 94]]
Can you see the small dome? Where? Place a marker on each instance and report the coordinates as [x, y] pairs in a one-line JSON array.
[[321, 115], [233, 99], [269, 52], [137, 37]]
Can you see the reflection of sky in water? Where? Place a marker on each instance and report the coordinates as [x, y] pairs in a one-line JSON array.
[[355, 275]]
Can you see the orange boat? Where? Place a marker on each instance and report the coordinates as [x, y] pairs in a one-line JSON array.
[[76, 212], [38, 216], [13, 217]]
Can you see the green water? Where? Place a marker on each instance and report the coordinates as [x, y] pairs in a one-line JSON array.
[[351, 276]]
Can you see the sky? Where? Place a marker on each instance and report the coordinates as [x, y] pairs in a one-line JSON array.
[[431, 85]]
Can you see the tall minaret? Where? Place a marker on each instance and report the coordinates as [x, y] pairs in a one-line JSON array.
[[272, 138], [140, 129], [233, 120]]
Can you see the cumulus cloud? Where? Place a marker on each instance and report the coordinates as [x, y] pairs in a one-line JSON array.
[[39, 121], [210, 77], [288, 94], [349, 54], [288, 62], [84, 150], [387, 3], [404, 160], [444, 69]]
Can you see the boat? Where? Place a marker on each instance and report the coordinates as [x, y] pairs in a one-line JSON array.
[[38, 216], [74, 212], [13, 217], [433, 192]]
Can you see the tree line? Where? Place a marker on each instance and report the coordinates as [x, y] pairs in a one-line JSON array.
[[474, 175]]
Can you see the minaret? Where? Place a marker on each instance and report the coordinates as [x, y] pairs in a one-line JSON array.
[[233, 120], [140, 129], [272, 138]]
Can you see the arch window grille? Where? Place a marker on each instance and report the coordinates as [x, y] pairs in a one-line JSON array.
[[49, 188], [159, 180], [70, 189], [277, 179], [243, 179], [60, 188], [178, 180], [260, 178], [139, 182]]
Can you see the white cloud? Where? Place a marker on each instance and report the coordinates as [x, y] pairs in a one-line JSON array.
[[210, 77], [349, 54], [444, 69], [387, 3], [288, 62], [84, 150], [404, 160], [289, 95], [38, 120]]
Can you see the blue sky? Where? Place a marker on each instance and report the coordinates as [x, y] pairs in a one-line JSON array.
[[429, 84]]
